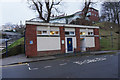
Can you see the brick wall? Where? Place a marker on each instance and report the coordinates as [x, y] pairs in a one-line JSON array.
[[77, 33], [93, 17], [97, 41], [30, 35], [48, 52], [96, 31], [31, 49], [62, 37]]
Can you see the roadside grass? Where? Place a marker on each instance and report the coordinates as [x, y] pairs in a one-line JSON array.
[[16, 43], [15, 48], [106, 43]]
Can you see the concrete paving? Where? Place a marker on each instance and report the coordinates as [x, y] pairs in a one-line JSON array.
[[21, 59]]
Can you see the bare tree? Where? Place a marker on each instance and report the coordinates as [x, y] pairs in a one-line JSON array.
[[112, 11], [87, 4], [44, 8], [86, 7]]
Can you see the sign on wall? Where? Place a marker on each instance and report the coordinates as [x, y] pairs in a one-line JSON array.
[[62, 41], [31, 42]]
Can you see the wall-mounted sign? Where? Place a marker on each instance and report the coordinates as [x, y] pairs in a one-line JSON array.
[[31, 42], [62, 41]]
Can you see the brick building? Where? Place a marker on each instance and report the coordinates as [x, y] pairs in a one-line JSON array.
[[93, 14], [48, 38]]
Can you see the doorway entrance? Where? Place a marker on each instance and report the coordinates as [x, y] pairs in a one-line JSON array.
[[69, 45], [82, 44]]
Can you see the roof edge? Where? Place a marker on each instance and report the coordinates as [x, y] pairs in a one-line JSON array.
[[57, 24]]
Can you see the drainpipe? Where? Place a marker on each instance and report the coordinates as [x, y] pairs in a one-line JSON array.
[[24, 39]]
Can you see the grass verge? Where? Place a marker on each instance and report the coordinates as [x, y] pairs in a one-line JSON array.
[[15, 48]]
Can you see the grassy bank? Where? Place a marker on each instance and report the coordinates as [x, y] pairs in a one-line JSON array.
[[15, 48], [107, 40]]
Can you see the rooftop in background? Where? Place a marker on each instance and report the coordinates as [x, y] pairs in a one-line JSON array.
[[66, 19]]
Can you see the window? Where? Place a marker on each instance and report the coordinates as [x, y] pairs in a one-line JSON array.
[[82, 33], [66, 33], [95, 14], [42, 32], [47, 30], [54, 32], [69, 33], [89, 13], [39, 32], [90, 33]]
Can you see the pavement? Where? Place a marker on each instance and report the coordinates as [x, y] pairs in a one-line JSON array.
[[21, 58]]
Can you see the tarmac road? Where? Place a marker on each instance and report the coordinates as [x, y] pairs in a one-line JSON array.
[[92, 66]]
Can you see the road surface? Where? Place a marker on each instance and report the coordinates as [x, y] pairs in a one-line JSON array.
[[92, 66]]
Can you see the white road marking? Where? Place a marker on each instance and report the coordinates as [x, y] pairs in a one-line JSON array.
[[29, 68], [34, 68], [47, 66], [89, 61], [62, 64]]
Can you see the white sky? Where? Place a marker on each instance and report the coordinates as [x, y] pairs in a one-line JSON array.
[[15, 11]]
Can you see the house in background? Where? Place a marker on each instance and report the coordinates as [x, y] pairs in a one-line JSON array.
[[93, 14], [49, 38], [7, 28]]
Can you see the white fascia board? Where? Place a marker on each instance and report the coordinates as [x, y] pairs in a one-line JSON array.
[[64, 25]]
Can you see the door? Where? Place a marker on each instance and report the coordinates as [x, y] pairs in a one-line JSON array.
[[82, 44], [69, 44]]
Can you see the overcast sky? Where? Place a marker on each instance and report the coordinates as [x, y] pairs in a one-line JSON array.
[[15, 11]]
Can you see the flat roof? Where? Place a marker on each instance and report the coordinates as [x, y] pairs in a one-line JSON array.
[[58, 25]]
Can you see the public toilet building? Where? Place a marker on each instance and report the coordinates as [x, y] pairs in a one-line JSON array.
[[47, 38]]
